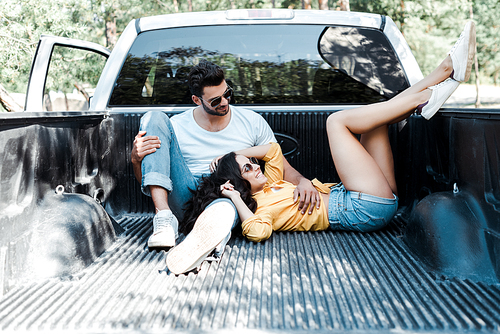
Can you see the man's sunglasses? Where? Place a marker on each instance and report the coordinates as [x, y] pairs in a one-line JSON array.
[[214, 103], [248, 167]]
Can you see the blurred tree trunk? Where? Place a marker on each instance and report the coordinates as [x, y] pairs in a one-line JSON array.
[[306, 4], [47, 102], [402, 19], [176, 6], [344, 5], [476, 71], [190, 5], [110, 29], [66, 101], [476, 68], [323, 4], [83, 92], [8, 102]]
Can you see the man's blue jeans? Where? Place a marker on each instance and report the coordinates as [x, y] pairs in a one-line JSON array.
[[166, 167]]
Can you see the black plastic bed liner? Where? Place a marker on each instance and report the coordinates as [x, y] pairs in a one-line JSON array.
[[294, 282]]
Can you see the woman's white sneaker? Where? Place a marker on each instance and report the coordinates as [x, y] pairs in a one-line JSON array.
[[440, 93], [211, 227], [462, 53]]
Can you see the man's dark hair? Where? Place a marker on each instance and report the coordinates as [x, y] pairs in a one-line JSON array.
[[205, 74]]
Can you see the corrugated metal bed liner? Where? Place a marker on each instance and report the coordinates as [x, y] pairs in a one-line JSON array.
[[323, 281]]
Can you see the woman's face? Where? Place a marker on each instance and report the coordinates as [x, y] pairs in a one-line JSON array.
[[252, 173]]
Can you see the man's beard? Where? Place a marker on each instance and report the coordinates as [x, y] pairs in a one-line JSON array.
[[214, 112]]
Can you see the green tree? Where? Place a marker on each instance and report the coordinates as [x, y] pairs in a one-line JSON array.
[[21, 24], [485, 14], [23, 21], [430, 26]]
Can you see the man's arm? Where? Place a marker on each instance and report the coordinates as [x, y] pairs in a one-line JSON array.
[[305, 192], [142, 147]]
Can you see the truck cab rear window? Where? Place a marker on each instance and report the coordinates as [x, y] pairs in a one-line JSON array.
[[265, 64]]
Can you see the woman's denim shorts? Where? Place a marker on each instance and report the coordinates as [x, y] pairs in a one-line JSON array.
[[355, 211]]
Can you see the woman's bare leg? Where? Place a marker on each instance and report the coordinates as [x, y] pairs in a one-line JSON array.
[[368, 169], [377, 144], [367, 165], [441, 73]]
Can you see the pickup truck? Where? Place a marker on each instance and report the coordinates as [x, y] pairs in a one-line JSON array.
[[74, 223]]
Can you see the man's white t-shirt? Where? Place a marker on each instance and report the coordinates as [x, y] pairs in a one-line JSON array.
[[199, 146]]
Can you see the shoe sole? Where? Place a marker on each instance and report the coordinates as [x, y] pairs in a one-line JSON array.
[[472, 50], [208, 231], [160, 245], [157, 244]]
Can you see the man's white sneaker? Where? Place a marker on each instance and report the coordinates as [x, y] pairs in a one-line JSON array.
[[211, 227], [462, 53], [440, 93], [165, 226]]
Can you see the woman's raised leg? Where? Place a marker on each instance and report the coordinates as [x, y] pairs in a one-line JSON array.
[[368, 169], [377, 144], [440, 73], [366, 165]]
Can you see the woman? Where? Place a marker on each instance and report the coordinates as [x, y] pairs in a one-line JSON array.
[[366, 199]]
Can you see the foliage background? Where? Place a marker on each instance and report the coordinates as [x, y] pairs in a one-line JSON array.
[[430, 26]]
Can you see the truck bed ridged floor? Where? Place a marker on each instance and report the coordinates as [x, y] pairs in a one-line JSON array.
[[293, 282]]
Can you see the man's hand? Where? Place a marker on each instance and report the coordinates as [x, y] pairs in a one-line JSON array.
[[144, 146], [307, 195], [214, 163]]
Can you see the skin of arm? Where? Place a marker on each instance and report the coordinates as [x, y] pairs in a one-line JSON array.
[[243, 211], [257, 232], [258, 152], [227, 189], [305, 193]]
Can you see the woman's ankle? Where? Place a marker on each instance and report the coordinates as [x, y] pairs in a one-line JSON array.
[[423, 99], [447, 66]]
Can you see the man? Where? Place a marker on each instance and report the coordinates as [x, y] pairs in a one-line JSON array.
[[178, 151]]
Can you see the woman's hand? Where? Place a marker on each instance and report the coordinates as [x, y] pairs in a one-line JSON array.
[[227, 190], [213, 164]]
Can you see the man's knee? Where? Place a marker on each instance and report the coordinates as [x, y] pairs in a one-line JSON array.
[[155, 120]]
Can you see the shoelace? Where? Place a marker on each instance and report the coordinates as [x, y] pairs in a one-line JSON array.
[[163, 222], [460, 38], [421, 106], [442, 83]]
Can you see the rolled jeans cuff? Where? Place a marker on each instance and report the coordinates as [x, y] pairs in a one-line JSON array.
[[155, 179]]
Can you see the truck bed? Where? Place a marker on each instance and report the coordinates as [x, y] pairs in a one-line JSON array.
[[300, 282], [294, 281]]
